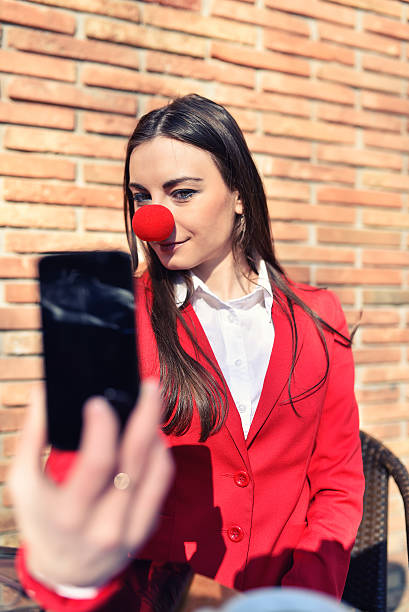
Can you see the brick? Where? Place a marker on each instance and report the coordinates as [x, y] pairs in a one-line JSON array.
[[350, 276], [37, 115], [359, 40], [194, 23], [384, 64], [121, 78], [305, 88], [346, 296], [167, 63], [386, 297], [384, 431], [105, 221], [386, 7], [287, 190], [4, 468], [385, 374], [285, 147], [386, 219], [7, 521], [36, 17], [242, 97], [359, 79], [311, 130], [266, 60], [375, 396], [193, 5], [382, 180], [26, 215], [325, 11], [247, 119], [104, 173], [53, 141], [356, 157], [47, 193], [390, 104], [385, 335], [358, 237], [10, 445], [298, 274], [362, 356], [122, 9], [302, 254], [337, 114], [384, 258], [17, 267], [387, 27], [384, 412], [308, 172], [35, 65], [359, 197], [267, 18], [11, 419], [16, 164], [19, 317], [21, 292], [22, 343], [67, 46], [145, 37], [15, 394], [37, 90], [21, 368], [297, 45], [386, 141], [309, 212], [379, 317], [41, 242], [107, 123], [289, 231]]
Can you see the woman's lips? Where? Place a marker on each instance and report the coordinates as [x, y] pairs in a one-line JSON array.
[[169, 246]]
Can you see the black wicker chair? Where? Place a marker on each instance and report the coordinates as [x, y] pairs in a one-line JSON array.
[[366, 585]]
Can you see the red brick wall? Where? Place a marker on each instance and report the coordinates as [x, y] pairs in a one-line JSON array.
[[321, 90]]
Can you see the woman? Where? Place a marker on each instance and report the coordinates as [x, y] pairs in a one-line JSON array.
[[256, 375]]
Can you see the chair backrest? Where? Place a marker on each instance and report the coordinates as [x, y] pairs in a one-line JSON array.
[[366, 585]]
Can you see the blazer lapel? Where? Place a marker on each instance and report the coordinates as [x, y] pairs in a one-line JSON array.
[[233, 420], [278, 370]]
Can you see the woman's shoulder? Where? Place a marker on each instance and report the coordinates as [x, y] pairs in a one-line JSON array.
[[324, 302]]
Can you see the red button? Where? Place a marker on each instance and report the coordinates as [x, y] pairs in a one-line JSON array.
[[241, 479], [235, 533]]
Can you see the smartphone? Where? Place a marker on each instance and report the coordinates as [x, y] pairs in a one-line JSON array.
[[88, 325]]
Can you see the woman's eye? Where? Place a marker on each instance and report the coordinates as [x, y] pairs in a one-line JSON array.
[[141, 197], [183, 194]]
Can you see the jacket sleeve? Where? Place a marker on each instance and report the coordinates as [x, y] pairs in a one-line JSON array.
[[321, 558]]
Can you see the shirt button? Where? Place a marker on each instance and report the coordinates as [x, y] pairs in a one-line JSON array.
[[231, 318], [235, 533], [241, 479], [241, 407], [237, 362]]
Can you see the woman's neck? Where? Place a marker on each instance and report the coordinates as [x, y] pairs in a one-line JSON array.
[[228, 279]]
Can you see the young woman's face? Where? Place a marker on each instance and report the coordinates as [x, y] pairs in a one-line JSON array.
[[186, 180]]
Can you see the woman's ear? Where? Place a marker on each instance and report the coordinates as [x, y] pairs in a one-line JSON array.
[[238, 204]]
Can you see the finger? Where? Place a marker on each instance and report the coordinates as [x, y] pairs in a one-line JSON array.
[[141, 431], [148, 498], [27, 464], [97, 456]]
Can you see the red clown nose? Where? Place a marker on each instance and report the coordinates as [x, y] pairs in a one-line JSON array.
[[153, 223]]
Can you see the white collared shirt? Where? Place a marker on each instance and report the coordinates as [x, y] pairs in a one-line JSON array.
[[241, 334]]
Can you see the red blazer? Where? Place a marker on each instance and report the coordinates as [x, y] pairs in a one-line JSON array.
[[283, 506]]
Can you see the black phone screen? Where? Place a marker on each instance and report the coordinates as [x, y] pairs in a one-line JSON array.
[[88, 319]]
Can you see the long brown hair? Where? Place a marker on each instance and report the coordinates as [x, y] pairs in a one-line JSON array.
[[200, 122]]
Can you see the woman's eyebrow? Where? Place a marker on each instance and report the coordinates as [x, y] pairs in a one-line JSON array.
[[168, 184]]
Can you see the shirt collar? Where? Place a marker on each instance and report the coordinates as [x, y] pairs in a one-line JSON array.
[[263, 283]]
